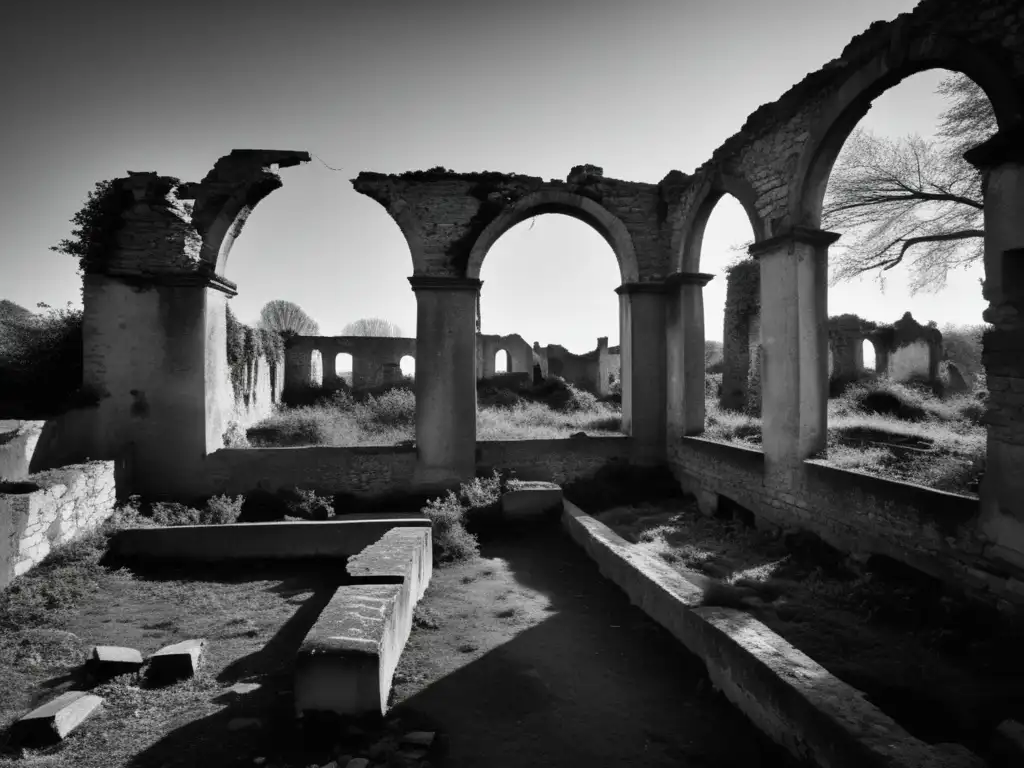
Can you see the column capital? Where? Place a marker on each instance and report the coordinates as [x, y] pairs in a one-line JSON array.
[[688, 278], [1007, 146], [653, 286], [805, 235], [428, 283], [201, 278]]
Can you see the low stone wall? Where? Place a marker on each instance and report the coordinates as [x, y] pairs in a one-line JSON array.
[[17, 447], [932, 531], [289, 540], [788, 695], [51, 508], [557, 461], [369, 472], [363, 471]]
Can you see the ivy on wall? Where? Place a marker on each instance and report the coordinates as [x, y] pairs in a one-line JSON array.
[[246, 345], [744, 279]]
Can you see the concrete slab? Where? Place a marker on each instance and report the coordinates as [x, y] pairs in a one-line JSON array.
[[788, 695], [53, 721], [112, 660], [262, 541], [347, 661], [531, 498], [177, 661]]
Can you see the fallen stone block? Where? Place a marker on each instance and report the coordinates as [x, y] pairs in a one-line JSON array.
[[177, 661], [1008, 745], [53, 721], [110, 661], [419, 739], [533, 498], [348, 659]]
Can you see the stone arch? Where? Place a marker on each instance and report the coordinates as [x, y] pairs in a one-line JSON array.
[[687, 243], [854, 96], [868, 345], [609, 226]]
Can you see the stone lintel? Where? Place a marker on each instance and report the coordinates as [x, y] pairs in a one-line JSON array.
[[203, 278], [1007, 146], [688, 278], [806, 235], [654, 286], [427, 283]]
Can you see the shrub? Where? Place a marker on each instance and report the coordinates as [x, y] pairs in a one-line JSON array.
[[235, 437], [307, 504], [173, 513], [223, 510], [394, 408], [41, 357], [451, 541]]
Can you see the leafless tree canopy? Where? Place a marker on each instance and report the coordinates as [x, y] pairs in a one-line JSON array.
[[288, 319], [912, 201], [372, 326]]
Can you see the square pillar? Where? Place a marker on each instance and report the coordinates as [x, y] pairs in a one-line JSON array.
[[642, 333], [794, 335], [684, 354], [1001, 522], [155, 355], [446, 311]]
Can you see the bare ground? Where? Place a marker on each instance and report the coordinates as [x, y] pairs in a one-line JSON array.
[[528, 656]]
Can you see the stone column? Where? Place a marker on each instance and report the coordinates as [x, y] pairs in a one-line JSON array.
[[684, 354], [298, 367], [794, 336], [445, 380], [642, 333], [1001, 160], [155, 356]]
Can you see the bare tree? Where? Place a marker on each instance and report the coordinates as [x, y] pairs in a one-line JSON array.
[[372, 326], [287, 318], [911, 201]]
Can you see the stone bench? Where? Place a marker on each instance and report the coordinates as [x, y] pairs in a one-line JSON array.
[[348, 659]]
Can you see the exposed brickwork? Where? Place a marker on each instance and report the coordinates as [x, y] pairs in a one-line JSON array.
[[68, 502]]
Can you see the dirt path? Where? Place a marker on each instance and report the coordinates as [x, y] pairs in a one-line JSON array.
[[530, 657]]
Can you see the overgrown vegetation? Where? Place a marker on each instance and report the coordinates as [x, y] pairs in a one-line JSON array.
[[897, 431], [40, 357], [449, 513], [387, 416]]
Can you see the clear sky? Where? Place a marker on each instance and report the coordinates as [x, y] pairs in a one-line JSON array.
[[639, 87]]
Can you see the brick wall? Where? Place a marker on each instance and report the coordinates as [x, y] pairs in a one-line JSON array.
[[51, 508]]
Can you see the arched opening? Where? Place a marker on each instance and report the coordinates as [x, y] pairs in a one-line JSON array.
[[316, 369], [910, 213], [343, 367], [722, 233], [408, 366], [502, 361], [551, 280], [868, 355]]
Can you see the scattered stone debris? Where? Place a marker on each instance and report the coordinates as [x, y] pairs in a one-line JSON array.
[[51, 722], [243, 688], [419, 739], [108, 661], [177, 661]]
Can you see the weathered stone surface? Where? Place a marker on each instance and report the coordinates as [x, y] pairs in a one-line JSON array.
[[53, 721], [530, 498], [110, 660], [177, 661], [64, 504], [346, 663]]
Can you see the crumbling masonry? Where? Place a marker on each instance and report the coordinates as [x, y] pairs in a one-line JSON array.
[[155, 295]]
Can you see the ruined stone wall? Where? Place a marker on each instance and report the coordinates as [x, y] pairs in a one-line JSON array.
[[44, 510], [742, 333], [373, 359], [17, 447], [929, 530], [261, 388], [914, 352], [520, 354]]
